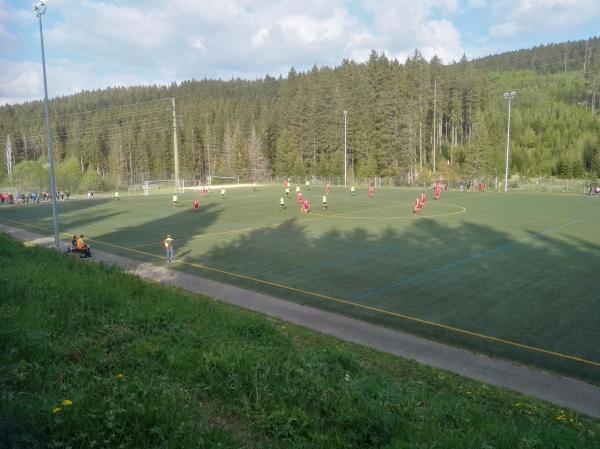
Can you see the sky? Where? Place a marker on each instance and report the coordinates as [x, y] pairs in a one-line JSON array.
[[98, 44]]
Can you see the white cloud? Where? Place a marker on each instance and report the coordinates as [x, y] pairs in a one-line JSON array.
[[7, 39], [403, 25], [439, 37], [90, 44], [197, 42], [504, 29], [543, 16], [477, 3], [20, 81]]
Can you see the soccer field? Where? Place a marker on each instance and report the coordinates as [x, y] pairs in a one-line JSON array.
[[513, 275]]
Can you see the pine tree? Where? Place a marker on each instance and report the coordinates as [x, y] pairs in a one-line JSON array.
[[258, 163], [285, 156], [596, 165]]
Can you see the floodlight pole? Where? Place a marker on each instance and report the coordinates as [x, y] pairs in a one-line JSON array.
[[345, 150], [40, 8], [508, 97]]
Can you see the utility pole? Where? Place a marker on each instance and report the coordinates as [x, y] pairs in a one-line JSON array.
[[421, 127], [175, 153], [345, 149], [509, 97], [434, 117], [412, 155], [208, 147]]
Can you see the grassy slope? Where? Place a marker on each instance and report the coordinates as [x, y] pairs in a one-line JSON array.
[[514, 266], [149, 366]]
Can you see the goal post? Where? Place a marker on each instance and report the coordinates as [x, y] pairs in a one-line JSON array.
[[224, 180], [162, 186]]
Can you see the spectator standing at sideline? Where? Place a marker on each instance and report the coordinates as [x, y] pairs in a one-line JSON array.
[[168, 242]]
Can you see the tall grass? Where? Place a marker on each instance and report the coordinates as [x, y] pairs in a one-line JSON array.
[[91, 357]]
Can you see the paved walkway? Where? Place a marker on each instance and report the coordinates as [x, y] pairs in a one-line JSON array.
[[559, 390]]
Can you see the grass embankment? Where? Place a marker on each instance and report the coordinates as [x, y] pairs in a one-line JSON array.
[[92, 357]]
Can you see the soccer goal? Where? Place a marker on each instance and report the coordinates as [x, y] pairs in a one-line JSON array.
[[223, 180], [153, 187], [372, 181]]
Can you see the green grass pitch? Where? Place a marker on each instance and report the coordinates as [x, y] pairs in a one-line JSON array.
[[513, 275]]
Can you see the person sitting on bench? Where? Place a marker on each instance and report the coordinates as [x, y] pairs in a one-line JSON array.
[[73, 246], [82, 247]]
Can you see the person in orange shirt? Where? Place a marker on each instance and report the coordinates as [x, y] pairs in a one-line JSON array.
[[82, 247]]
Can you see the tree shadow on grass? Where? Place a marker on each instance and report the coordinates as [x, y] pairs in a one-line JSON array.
[[84, 219], [538, 290], [141, 241]]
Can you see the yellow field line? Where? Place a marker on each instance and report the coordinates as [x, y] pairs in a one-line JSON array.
[[360, 306]]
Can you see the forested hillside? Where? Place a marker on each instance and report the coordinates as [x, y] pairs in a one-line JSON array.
[[414, 119]]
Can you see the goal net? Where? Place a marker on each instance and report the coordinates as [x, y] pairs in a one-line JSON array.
[[163, 186], [223, 180], [372, 181]]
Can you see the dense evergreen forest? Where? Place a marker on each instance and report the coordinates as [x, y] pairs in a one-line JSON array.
[[413, 120]]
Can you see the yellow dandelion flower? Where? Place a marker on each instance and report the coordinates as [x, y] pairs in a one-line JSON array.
[[67, 403], [56, 410], [120, 376]]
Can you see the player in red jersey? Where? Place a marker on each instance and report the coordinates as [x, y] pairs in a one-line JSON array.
[[438, 191], [327, 189], [299, 198], [371, 191], [417, 206], [196, 205], [306, 206], [423, 200]]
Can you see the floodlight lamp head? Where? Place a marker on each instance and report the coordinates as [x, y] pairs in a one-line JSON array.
[[513, 94], [506, 95], [345, 112], [39, 7]]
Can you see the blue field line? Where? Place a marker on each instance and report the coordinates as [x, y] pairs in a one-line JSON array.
[[469, 259], [379, 250]]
